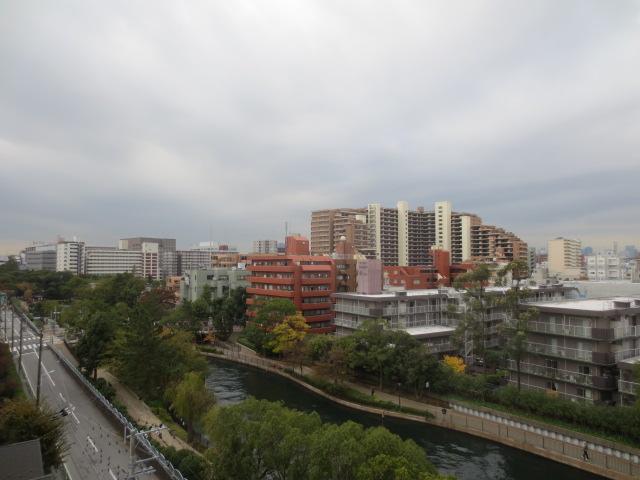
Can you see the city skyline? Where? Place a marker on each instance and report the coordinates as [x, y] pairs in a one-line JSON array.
[[246, 117]]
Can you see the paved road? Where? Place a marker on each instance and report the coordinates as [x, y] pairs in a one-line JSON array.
[[97, 450]]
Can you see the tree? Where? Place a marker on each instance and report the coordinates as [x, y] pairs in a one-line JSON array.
[[288, 337], [372, 348], [190, 399], [456, 364], [257, 439], [470, 331], [142, 348], [92, 348], [22, 420], [273, 311]]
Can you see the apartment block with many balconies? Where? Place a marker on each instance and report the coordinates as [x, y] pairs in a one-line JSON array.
[[421, 313], [573, 347], [307, 280]]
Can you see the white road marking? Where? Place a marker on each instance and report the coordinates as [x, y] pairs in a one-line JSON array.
[[74, 416], [92, 444], [67, 470], [46, 371], [63, 399], [112, 475], [24, 370]]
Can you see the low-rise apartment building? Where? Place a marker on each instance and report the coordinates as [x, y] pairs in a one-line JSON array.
[[604, 266], [421, 313], [220, 280], [573, 347]]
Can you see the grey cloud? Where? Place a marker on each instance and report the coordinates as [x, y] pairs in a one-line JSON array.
[[120, 119]]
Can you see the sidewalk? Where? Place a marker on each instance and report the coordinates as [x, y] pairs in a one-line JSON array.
[[137, 409]]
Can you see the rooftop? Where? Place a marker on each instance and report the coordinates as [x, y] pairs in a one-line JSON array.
[[593, 305], [428, 330]]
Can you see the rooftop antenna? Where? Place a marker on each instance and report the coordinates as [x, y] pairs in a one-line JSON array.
[[286, 229]]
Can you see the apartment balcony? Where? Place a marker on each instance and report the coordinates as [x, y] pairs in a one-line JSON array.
[[315, 293], [364, 311], [440, 347], [315, 306], [325, 317], [315, 281], [390, 311], [271, 268], [560, 352], [598, 382], [630, 388], [560, 329], [270, 293], [626, 332], [624, 354], [271, 280]]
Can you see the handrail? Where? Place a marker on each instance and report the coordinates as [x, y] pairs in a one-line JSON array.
[[166, 465]]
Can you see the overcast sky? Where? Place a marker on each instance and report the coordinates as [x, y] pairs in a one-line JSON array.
[[169, 118]]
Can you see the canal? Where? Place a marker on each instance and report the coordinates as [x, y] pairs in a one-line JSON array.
[[465, 456]]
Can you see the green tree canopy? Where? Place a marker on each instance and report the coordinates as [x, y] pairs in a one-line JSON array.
[[22, 420]]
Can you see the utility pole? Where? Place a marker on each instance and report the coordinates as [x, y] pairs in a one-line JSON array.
[[39, 369], [20, 349], [5, 323], [13, 331]]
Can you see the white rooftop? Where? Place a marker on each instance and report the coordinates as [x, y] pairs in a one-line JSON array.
[[594, 305], [428, 330]]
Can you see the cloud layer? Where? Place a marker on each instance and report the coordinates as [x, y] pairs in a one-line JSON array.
[[126, 118]]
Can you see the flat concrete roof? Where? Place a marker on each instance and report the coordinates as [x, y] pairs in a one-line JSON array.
[[592, 305], [389, 294], [429, 330], [630, 361]]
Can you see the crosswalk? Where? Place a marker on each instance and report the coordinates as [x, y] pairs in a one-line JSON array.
[[26, 347]]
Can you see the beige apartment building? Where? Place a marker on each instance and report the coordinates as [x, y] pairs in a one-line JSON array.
[[329, 226], [573, 347], [400, 236], [564, 258]]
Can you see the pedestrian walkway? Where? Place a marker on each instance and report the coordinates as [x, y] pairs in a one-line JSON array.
[[137, 409]]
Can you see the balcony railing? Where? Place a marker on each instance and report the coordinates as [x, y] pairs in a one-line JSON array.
[[440, 347], [559, 329], [604, 383], [632, 388], [554, 373], [623, 332], [369, 312], [411, 310], [624, 354], [561, 352]]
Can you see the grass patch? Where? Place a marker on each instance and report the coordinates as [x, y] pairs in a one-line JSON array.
[[351, 394], [550, 421], [243, 341], [208, 349]]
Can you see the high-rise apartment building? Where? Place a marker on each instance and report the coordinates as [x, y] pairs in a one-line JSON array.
[[564, 258], [403, 237], [70, 257], [265, 246], [328, 226]]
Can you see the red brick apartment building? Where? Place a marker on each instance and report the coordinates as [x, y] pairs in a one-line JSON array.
[[307, 280]]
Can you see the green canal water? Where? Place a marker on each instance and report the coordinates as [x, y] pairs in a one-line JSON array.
[[465, 456]]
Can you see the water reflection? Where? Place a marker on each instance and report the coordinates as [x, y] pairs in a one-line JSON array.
[[465, 456]]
